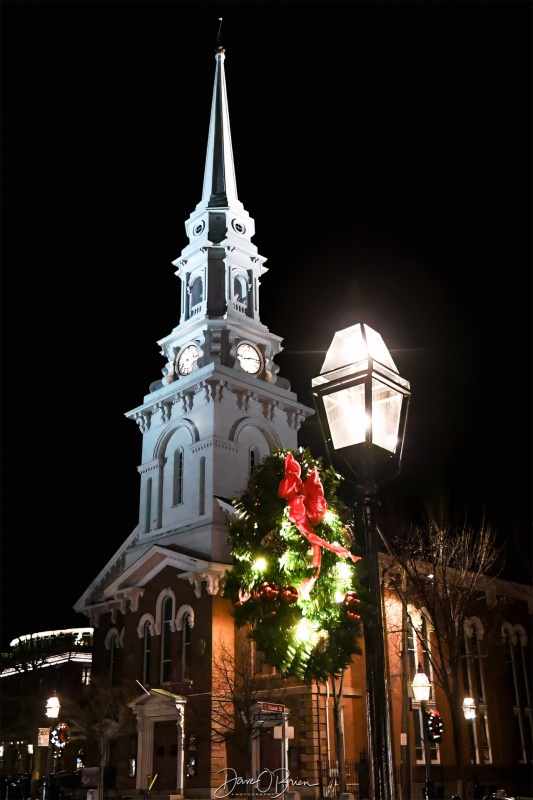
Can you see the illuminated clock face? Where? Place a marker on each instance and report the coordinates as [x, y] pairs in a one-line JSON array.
[[187, 359], [249, 358]]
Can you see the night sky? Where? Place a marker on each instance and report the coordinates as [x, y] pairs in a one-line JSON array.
[[384, 151]]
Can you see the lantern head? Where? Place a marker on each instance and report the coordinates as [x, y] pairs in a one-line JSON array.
[[469, 708], [52, 707], [421, 686], [365, 401]]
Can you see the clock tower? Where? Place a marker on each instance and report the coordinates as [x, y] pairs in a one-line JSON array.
[[219, 408], [220, 271]]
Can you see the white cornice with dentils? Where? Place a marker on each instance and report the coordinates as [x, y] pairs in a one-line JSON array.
[[234, 382], [148, 565], [128, 586]]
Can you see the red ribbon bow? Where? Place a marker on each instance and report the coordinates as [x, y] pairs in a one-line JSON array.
[[307, 506]]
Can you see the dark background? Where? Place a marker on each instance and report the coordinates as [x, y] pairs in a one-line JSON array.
[[384, 150]]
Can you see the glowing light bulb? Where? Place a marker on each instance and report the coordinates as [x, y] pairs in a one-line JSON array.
[[329, 516], [260, 565], [343, 570], [304, 631], [339, 597]]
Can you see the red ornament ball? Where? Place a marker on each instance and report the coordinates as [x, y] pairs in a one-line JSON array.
[[289, 595], [269, 592]]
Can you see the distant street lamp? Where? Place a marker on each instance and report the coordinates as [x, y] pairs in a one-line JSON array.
[[365, 403], [52, 712], [469, 710], [422, 690]]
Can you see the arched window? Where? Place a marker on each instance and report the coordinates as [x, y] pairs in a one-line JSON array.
[[473, 684], [515, 641], [419, 649], [185, 645], [196, 291], [148, 506], [147, 652], [166, 639], [177, 486], [112, 659], [240, 292], [112, 643]]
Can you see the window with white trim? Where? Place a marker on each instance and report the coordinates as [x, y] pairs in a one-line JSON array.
[[201, 487], [515, 640], [474, 686], [419, 649], [185, 645], [240, 292], [177, 483], [112, 643], [197, 291], [166, 639], [148, 506], [147, 653]]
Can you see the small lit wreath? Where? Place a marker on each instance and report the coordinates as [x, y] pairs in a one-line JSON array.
[[60, 735]]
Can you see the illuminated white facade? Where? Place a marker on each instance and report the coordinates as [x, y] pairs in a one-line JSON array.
[[218, 410]]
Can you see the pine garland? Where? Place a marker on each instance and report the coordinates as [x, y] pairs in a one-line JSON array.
[[310, 638]]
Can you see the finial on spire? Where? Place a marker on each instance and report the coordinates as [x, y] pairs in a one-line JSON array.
[[220, 48]]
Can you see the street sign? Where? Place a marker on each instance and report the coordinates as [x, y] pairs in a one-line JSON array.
[[272, 707], [43, 737], [268, 716]]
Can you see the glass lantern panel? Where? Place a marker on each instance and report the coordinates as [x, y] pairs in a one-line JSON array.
[[347, 420], [350, 346], [347, 347], [377, 348], [386, 409]]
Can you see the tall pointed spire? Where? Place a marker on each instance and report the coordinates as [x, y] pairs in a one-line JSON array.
[[220, 187]]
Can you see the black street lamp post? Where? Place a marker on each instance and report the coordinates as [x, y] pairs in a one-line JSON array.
[[469, 711], [365, 403], [52, 712], [422, 690]]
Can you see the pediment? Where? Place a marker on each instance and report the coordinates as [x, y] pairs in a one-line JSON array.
[[149, 564], [157, 703]]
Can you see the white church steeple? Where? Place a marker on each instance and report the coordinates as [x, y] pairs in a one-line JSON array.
[[220, 186], [220, 407], [220, 271]]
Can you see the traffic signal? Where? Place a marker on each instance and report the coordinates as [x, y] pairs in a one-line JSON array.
[[434, 725]]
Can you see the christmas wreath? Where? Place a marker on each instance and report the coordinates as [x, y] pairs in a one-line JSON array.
[[294, 580], [60, 735]]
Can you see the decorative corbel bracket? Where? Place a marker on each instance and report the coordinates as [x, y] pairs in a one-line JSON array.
[[244, 396], [131, 597], [269, 408], [143, 420], [212, 577], [185, 399], [165, 407], [295, 418], [213, 390]]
